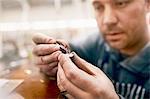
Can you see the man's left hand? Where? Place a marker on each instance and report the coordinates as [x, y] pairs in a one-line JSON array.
[[82, 80]]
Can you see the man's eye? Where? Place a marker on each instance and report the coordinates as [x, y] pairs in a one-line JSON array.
[[98, 8], [121, 4]]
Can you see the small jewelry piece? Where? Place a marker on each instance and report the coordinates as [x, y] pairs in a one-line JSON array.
[[63, 93], [62, 48]]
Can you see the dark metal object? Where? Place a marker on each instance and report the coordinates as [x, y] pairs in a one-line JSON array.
[[63, 49], [63, 94]]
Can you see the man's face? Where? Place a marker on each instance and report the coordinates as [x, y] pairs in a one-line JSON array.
[[122, 22]]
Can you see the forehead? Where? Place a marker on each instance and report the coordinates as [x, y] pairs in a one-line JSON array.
[[112, 1], [102, 1], [115, 0], [108, 0]]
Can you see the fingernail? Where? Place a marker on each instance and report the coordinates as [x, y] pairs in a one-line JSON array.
[[71, 55]]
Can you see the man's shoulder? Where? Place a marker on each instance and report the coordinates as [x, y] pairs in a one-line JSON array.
[[92, 40]]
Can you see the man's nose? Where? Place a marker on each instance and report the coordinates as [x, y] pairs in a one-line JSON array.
[[110, 17]]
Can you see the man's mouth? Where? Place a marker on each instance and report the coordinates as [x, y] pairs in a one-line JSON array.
[[114, 36]]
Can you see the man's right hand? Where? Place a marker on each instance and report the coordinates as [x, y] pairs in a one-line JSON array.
[[46, 52]]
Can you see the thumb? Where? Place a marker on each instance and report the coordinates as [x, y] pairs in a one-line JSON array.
[[82, 64]]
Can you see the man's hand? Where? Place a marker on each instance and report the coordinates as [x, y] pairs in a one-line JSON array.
[[46, 52], [82, 80]]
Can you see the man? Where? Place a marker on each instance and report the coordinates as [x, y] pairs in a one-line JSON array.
[[122, 53]]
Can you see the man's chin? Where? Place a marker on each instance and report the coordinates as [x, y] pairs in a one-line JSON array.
[[117, 46]]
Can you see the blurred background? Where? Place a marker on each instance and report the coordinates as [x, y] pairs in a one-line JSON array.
[[20, 19]]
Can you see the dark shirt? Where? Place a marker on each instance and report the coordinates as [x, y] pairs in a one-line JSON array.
[[130, 75]]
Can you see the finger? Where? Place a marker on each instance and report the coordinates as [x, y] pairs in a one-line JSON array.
[[48, 71], [77, 76], [47, 59], [48, 67], [66, 85], [42, 39], [52, 66], [63, 42], [90, 69], [64, 46], [45, 49], [52, 72], [85, 66], [61, 88]]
